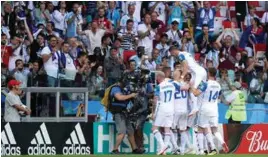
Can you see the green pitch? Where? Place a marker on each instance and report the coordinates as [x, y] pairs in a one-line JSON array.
[[126, 155]]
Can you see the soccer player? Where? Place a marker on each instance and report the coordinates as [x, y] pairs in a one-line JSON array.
[[163, 111], [208, 112], [198, 73], [180, 112]]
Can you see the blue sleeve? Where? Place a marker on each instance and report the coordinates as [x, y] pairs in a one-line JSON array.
[[214, 10], [115, 90], [157, 91], [181, 57], [202, 86]]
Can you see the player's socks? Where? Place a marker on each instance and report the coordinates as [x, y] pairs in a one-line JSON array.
[[184, 139], [173, 139], [200, 140], [167, 138], [219, 137], [159, 138], [195, 142], [206, 145], [210, 141], [188, 144]]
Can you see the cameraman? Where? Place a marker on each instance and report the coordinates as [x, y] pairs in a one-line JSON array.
[[118, 108]]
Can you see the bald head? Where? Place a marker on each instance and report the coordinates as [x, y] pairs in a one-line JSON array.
[[160, 76]]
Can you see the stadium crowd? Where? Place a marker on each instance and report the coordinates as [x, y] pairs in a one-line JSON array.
[[89, 44]]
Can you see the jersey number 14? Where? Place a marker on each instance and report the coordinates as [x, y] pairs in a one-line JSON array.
[[213, 96]]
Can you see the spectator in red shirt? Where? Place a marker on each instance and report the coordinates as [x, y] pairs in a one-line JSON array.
[[6, 51], [103, 22], [228, 50], [157, 25]]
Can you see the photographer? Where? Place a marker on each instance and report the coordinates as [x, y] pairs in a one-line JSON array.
[[119, 101], [13, 104]]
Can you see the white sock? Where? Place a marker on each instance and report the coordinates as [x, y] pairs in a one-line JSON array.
[[205, 144], [200, 137], [195, 141], [167, 138], [184, 139], [159, 138], [210, 141], [188, 142], [175, 134], [173, 140], [219, 137]]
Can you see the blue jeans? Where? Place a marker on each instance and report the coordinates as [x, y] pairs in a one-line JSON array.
[[51, 81]]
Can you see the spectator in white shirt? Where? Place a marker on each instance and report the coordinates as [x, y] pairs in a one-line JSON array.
[[130, 15], [51, 56], [146, 35], [16, 43], [174, 34], [13, 104], [59, 17], [137, 12], [94, 35], [161, 8]]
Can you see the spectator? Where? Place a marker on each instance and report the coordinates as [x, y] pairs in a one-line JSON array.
[[69, 68], [165, 62], [146, 35], [251, 15], [102, 21], [96, 82], [156, 58], [206, 16], [174, 34], [114, 67], [204, 40], [189, 16], [117, 45], [74, 49], [36, 48], [16, 44], [176, 12], [36, 76], [4, 75], [113, 15], [128, 36], [73, 19], [50, 30], [59, 17], [20, 73], [81, 64], [130, 15], [237, 109], [239, 65], [213, 54], [256, 89], [228, 50], [9, 18], [51, 57], [41, 15], [257, 35], [138, 8], [225, 82], [162, 46], [161, 8], [138, 57], [94, 35], [6, 51], [157, 25], [13, 104], [188, 44], [105, 48]]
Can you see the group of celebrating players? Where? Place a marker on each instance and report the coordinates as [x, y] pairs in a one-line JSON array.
[[180, 105]]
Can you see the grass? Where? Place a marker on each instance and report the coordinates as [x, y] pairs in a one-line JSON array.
[[123, 155]]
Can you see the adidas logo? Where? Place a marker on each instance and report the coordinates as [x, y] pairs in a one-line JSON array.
[[8, 142], [76, 144], [41, 140]]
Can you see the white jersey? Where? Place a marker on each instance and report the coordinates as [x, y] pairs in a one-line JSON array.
[[165, 93], [193, 65], [180, 98], [209, 99]]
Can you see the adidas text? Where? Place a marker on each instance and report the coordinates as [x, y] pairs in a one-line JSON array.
[[42, 150], [76, 150], [9, 150]]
